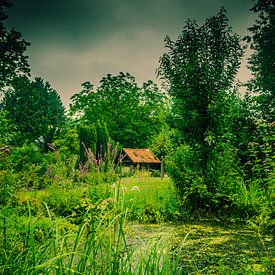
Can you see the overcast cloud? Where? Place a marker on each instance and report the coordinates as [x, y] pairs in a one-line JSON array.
[[73, 41]]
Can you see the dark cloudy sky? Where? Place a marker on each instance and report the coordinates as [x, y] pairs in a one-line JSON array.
[[73, 41]]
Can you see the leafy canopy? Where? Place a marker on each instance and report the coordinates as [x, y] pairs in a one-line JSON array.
[[34, 108], [262, 61], [13, 61], [132, 114], [200, 67]]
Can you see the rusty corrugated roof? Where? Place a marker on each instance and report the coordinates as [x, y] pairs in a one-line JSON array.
[[141, 155]]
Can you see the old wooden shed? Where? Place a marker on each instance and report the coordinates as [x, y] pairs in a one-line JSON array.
[[143, 157]]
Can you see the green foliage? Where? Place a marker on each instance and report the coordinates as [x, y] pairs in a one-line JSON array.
[[262, 61], [35, 109], [7, 186], [67, 141], [151, 201], [61, 168], [240, 126], [103, 140], [28, 167], [224, 195], [101, 165], [162, 144], [94, 139], [200, 68], [13, 61], [96, 237], [261, 168], [64, 200], [132, 114], [184, 169], [21, 158], [7, 130], [88, 140], [155, 173], [261, 162], [99, 243]]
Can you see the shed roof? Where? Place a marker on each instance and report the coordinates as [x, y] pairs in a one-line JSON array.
[[141, 155]]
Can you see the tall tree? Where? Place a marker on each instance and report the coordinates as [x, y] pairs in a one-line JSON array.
[[200, 68], [13, 61], [35, 108], [262, 61], [132, 114]]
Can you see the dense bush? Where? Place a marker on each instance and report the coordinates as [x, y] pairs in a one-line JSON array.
[[27, 166], [67, 141], [184, 170], [260, 180], [225, 195]]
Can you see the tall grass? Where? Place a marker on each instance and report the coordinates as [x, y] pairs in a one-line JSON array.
[[100, 245]]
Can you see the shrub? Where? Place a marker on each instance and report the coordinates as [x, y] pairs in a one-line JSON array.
[[26, 166], [260, 178], [67, 142], [21, 158], [213, 193], [184, 171]]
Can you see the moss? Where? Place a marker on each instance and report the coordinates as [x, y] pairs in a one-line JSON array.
[[210, 249]]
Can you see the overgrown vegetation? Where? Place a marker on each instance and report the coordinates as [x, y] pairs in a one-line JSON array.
[[65, 203]]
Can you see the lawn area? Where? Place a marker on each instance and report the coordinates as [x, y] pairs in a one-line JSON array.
[[150, 199], [147, 185]]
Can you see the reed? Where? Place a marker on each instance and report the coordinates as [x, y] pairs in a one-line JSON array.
[[99, 246]]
